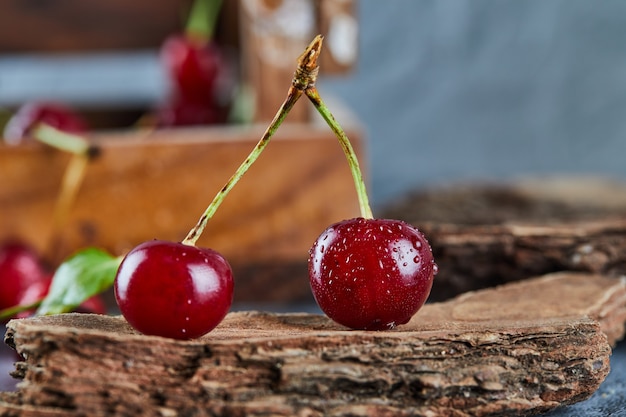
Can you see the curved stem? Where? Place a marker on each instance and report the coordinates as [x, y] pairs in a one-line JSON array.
[[81, 153], [197, 230], [304, 76], [60, 140], [70, 185], [314, 97]]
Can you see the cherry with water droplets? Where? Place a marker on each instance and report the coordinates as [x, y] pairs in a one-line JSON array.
[[366, 273], [371, 274], [173, 289]]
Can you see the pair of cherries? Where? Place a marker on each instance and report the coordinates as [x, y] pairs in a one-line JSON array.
[[368, 274], [364, 273]]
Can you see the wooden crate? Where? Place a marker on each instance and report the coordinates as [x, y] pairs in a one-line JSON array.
[[262, 38], [156, 184], [147, 185]]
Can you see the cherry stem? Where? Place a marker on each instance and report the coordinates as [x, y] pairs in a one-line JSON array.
[[70, 185], [203, 19], [12, 311], [73, 176], [359, 183], [197, 230], [60, 140], [304, 76]]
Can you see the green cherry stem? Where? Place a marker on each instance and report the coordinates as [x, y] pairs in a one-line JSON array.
[[197, 230], [60, 140], [81, 153], [305, 76], [314, 97], [70, 185]]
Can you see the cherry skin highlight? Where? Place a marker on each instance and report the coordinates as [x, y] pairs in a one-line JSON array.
[[173, 290], [371, 274]]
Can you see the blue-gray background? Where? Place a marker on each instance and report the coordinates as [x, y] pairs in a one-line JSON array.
[[458, 90], [452, 90]]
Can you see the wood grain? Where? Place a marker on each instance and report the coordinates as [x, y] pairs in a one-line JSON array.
[[483, 235], [148, 185], [513, 350]]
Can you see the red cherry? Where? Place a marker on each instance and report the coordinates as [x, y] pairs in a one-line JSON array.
[[35, 292], [173, 290], [19, 269], [371, 274], [54, 114], [39, 290], [193, 67]]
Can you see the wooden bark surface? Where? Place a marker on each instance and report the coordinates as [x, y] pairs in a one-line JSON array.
[[484, 236], [475, 257], [518, 349]]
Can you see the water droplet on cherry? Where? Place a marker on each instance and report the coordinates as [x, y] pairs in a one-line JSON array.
[[373, 287]]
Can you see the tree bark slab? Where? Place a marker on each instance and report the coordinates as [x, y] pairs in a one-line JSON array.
[[486, 235], [518, 349]]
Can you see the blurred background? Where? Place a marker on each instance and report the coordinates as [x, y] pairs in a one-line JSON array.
[[432, 93], [455, 90], [175, 94], [445, 90]]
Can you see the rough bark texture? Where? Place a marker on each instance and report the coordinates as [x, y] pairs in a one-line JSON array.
[[488, 235], [518, 349]]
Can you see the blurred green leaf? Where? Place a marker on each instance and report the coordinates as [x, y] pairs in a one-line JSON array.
[[89, 272]]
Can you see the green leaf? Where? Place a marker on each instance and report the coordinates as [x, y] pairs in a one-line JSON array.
[[83, 275]]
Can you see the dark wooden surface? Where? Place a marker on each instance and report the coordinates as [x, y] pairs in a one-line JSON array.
[[488, 234]]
